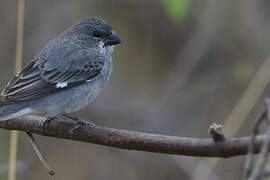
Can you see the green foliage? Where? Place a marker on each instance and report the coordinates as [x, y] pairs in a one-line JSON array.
[[176, 9]]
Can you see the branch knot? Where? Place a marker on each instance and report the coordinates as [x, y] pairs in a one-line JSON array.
[[216, 131]]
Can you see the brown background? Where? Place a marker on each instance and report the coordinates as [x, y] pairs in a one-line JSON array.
[[172, 78]]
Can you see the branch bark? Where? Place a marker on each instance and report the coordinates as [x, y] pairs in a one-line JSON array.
[[135, 140]]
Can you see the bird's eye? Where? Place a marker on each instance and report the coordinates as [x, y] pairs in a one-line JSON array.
[[96, 34]]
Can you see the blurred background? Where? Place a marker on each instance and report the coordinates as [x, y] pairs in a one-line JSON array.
[[182, 65]]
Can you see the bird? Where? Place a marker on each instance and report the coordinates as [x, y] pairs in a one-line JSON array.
[[65, 76]]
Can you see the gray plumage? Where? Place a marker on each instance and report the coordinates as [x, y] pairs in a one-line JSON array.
[[65, 76]]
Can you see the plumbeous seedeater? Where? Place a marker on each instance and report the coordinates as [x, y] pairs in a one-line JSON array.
[[65, 76]]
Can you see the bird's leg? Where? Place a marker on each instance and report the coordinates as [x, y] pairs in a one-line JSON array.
[[79, 122], [46, 122]]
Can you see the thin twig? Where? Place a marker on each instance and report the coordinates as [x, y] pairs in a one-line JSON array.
[[18, 65], [38, 153], [259, 171], [255, 131], [13, 155], [266, 172]]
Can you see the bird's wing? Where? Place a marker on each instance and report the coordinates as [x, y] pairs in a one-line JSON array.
[[40, 79]]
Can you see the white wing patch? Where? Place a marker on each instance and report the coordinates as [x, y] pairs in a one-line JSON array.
[[61, 85]]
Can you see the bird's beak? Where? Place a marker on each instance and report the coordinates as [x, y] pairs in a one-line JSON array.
[[113, 39]]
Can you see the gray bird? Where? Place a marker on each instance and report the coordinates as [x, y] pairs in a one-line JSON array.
[[65, 76]]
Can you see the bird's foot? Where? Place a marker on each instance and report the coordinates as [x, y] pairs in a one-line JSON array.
[[79, 122]]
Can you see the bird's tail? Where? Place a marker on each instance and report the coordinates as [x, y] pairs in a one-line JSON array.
[[14, 110]]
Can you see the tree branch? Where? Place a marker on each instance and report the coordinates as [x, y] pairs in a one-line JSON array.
[[135, 140]]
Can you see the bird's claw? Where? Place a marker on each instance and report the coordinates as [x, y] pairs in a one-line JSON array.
[[78, 124]]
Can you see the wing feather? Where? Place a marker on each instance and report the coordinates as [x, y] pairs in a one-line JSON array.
[[34, 81]]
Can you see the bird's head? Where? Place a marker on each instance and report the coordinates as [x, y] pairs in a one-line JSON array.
[[97, 32]]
